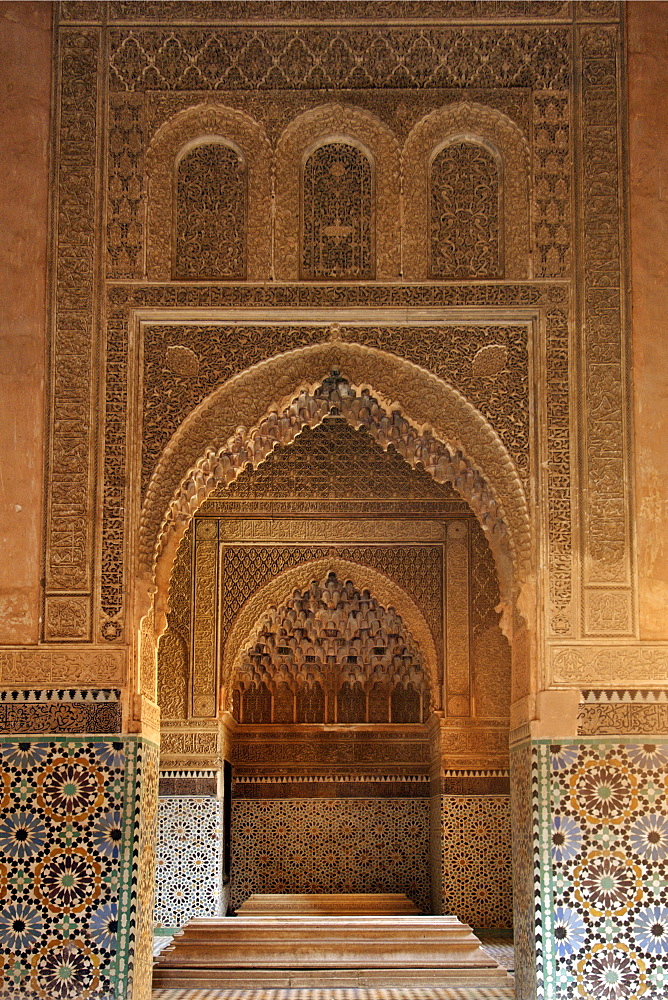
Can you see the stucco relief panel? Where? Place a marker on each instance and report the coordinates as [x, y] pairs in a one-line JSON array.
[[212, 123]]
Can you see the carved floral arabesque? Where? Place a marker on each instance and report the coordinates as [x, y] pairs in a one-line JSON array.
[[71, 448], [551, 190], [336, 122], [464, 212], [173, 646], [337, 213], [381, 56], [211, 122], [606, 478], [560, 533], [611, 664], [278, 590], [432, 405], [490, 650], [210, 219], [468, 123], [40, 666], [488, 363], [250, 11]]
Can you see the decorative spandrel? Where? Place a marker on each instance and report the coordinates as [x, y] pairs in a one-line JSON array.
[[464, 213], [331, 653], [210, 214], [337, 214]]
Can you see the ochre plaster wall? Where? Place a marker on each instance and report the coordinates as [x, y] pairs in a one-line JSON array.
[[647, 27], [25, 99]]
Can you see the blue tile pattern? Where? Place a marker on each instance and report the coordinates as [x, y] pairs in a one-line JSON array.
[[68, 825], [603, 850]]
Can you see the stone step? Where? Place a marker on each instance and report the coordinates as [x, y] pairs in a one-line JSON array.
[[376, 979], [333, 904], [326, 951], [326, 942]]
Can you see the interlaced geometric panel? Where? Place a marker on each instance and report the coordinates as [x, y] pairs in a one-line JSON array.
[[189, 859], [332, 845], [464, 213], [211, 213], [331, 654], [337, 213]]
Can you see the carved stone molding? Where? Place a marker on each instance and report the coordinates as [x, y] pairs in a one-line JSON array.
[[428, 402], [606, 474], [279, 589], [339, 122], [611, 712], [89, 666], [606, 665], [329, 531], [71, 450], [208, 122], [466, 122]]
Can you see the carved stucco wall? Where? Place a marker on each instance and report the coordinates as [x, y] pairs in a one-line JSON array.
[[604, 607], [584, 434], [547, 108]]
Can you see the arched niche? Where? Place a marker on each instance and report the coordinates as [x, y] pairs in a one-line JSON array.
[[491, 130], [337, 228], [278, 590], [488, 478], [345, 124], [465, 211], [210, 208], [207, 124]]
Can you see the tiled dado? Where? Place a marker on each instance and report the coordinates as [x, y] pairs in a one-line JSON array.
[[476, 859], [601, 849], [189, 859], [69, 849], [331, 845]]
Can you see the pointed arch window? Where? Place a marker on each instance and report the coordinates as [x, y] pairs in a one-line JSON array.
[[210, 216], [465, 212], [337, 213]]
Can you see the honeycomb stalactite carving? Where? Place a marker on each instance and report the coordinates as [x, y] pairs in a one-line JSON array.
[[210, 213], [279, 590], [333, 654], [466, 124], [337, 213], [464, 213], [361, 409]]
